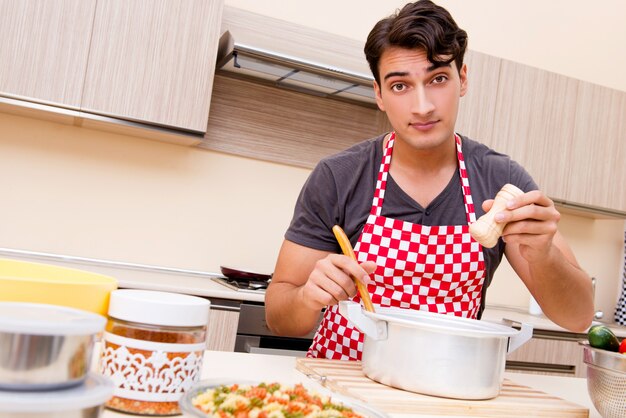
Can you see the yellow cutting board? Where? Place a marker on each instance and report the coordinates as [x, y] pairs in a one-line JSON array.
[[347, 378]]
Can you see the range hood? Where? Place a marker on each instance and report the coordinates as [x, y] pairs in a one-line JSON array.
[[293, 73]]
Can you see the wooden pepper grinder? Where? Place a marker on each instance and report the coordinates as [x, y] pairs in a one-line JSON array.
[[486, 230]]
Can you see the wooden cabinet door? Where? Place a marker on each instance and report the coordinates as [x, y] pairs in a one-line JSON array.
[[568, 134], [549, 355], [222, 329], [153, 61], [534, 123], [478, 107], [597, 169], [44, 49]]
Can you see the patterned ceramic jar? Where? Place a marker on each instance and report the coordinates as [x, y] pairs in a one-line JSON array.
[[152, 349]]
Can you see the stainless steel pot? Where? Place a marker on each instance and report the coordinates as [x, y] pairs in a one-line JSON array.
[[45, 346], [434, 354]]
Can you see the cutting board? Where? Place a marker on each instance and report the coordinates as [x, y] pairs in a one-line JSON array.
[[347, 378]]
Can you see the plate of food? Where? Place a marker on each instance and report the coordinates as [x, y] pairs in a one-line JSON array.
[[226, 399]]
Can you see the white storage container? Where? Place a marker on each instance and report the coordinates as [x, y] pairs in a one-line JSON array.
[[84, 400]]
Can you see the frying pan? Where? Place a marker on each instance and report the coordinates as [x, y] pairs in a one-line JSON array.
[[244, 275]]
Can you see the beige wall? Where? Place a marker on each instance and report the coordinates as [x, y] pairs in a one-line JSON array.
[[86, 193], [94, 194]]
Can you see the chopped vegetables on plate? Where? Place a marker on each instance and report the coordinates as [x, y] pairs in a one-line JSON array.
[[268, 401]]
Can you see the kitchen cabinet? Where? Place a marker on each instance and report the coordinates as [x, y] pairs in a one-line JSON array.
[[140, 64], [597, 164], [534, 123], [222, 328], [153, 61], [45, 46], [567, 133], [480, 99], [549, 352]]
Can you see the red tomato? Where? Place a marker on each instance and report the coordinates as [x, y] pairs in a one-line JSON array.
[[622, 346]]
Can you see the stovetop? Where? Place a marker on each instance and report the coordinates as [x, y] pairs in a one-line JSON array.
[[252, 286]]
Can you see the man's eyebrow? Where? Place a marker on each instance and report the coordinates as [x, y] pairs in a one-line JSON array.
[[432, 67], [437, 65], [396, 74]]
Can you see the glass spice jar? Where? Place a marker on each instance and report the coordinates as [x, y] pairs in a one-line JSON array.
[[152, 349]]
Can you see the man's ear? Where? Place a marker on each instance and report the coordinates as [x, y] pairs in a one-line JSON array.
[[463, 76], [379, 97]]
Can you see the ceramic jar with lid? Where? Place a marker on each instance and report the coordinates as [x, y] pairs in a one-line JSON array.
[[152, 348]]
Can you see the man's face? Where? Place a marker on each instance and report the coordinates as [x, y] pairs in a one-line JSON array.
[[420, 99]]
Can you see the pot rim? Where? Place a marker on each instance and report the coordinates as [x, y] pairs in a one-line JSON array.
[[441, 322]]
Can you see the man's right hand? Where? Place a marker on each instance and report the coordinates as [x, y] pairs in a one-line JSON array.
[[306, 280], [331, 280]]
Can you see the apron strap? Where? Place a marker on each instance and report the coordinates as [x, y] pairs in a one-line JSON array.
[[383, 173]]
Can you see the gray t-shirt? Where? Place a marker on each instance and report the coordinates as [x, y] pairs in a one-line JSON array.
[[340, 189]]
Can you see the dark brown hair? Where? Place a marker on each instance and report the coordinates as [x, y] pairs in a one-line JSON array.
[[423, 25]]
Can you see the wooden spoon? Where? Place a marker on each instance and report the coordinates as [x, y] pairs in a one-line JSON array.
[[346, 248]]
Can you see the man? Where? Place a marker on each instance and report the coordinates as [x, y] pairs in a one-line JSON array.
[[405, 200]]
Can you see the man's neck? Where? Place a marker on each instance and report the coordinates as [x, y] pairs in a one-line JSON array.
[[423, 174], [425, 161]]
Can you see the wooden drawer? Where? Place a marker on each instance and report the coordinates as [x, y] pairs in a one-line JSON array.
[[550, 353]]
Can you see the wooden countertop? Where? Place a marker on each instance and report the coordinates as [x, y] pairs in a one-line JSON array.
[[264, 367]]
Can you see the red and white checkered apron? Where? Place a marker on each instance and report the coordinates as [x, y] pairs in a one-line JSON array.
[[434, 268]]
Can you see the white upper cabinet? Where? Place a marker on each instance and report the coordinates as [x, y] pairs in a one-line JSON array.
[[534, 123], [153, 61], [147, 61], [597, 160], [569, 134], [44, 49]]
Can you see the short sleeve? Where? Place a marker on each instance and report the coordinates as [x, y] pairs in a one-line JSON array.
[[316, 212], [520, 177]]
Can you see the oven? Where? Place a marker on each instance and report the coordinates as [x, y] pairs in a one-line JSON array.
[[254, 336]]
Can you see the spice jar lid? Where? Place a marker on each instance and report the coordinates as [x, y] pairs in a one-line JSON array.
[[159, 308], [45, 319]]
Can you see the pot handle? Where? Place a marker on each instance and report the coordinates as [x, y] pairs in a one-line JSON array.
[[517, 340], [353, 312]]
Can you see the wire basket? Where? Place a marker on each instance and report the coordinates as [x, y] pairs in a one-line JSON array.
[[606, 381]]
